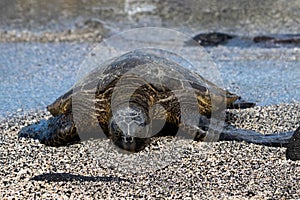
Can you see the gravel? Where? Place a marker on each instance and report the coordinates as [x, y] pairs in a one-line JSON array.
[[169, 169], [234, 170]]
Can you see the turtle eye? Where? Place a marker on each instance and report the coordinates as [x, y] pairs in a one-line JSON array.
[[113, 125], [115, 129]]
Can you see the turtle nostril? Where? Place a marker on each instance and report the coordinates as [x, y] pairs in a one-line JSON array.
[[128, 139]]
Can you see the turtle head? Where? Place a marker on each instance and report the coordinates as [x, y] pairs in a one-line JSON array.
[[128, 129]]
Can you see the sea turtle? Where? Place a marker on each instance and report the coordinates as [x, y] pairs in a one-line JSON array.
[[122, 93]]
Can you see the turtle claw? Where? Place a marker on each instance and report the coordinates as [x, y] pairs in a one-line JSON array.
[[133, 145]]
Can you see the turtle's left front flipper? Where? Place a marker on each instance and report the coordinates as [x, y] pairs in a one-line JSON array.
[[56, 131], [293, 148]]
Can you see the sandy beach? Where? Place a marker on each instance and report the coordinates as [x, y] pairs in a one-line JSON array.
[[41, 53], [230, 170], [227, 170]]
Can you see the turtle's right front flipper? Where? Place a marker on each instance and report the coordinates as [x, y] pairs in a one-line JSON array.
[[293, 148], [57, 131]]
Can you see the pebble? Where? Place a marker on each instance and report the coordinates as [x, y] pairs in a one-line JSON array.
[[234, 170]]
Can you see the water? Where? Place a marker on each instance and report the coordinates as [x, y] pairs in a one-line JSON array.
[[35, 74]]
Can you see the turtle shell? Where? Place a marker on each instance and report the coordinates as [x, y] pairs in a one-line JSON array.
[[153, 69], [149, 79]]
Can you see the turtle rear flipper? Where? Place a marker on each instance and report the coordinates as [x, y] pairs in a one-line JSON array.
[[231, 133], [293, 148]]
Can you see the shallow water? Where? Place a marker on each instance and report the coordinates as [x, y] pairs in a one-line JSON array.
[[35, 74]]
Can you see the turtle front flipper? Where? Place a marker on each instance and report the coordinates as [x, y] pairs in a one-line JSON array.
[[293, 148], [57, 131]]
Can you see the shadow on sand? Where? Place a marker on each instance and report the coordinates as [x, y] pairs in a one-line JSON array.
[[56, 177]]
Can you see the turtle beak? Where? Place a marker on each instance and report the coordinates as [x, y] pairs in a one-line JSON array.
[[123, 138], [132, 144]]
